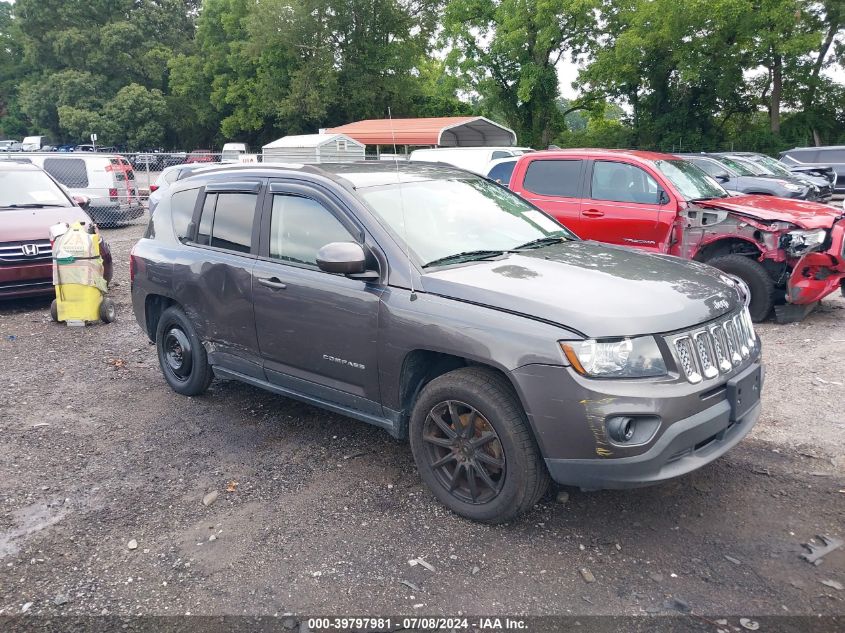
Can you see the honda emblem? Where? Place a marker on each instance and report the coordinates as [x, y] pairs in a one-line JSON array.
[[30, 250]]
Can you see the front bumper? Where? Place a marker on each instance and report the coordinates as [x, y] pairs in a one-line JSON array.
[[26, 280], [816, 275], [687, 445], [688, 424]]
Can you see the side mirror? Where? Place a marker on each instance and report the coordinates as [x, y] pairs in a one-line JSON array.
[[723, 177], [345, 258], [663, 198], [82, 201]]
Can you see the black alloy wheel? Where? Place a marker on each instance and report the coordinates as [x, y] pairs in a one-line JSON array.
[[464, 451]]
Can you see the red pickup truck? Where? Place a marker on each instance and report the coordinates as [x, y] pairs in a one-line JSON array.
[[789, 253]]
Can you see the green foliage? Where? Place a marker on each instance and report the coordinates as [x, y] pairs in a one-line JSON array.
[[506, 51], [661, 74], [689, 71]]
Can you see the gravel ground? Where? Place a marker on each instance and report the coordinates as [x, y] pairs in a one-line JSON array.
[[104, 471]]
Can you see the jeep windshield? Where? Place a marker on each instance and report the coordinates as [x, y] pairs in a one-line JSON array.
[[690, 181], [28, 188], [453, 220]]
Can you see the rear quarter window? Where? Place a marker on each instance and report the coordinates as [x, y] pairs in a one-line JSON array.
[[182, 210], [501, 173], [554, 178], [71, 172]]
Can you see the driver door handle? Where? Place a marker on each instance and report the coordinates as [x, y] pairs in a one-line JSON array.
[[593, 213], [272, 282]]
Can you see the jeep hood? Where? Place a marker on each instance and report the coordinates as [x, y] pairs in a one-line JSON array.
[[807, 215], [18, 225], [593, 288]]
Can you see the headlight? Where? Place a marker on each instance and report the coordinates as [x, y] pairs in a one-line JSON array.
[[798, 243], [791, 186], [617, 358]]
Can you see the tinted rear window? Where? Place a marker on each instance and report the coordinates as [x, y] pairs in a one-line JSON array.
[[70, 172], [554, 178]]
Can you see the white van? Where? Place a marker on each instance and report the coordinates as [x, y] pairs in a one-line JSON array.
[[34, 143], [106, 179], [474, 159], [231, 152]]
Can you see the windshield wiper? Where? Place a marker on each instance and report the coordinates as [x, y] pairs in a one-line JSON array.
[[30, 205], [466, 256], [543, 241]]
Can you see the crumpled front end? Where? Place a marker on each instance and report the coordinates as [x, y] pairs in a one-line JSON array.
[[817, 274]]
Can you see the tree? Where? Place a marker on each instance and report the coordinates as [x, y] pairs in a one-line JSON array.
[[507, 51], [136, 116], [11, 58], [75, 58], [268, 67]]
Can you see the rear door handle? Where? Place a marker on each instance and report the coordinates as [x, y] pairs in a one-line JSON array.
[[272, 282], [593, 213]]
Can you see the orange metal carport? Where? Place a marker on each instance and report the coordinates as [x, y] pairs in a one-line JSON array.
[[458, 131]]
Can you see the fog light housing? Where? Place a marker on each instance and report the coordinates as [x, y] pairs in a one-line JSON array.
[[621, 429], [631, 430]]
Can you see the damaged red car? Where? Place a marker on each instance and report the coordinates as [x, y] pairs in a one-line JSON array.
[[788, 253]]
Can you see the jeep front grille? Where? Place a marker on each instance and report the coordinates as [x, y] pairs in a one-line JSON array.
[[716, 348]]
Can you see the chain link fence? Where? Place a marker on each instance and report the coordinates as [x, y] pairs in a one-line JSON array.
[[118, 186]]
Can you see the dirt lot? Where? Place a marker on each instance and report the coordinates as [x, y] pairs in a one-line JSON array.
[[319, 514]]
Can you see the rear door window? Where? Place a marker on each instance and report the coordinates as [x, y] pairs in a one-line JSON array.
[[709, 167], [554, 178], [71, 172], [226, 221]]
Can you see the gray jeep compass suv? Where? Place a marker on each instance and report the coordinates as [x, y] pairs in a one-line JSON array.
[[445, 309]]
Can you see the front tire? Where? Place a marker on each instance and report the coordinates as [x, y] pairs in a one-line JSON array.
[[181, 354], [473, 446], [755, 277]]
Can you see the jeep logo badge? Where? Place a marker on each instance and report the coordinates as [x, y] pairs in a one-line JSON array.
[[30, 250]]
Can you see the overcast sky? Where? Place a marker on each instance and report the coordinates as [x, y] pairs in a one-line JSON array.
[[567, 72]]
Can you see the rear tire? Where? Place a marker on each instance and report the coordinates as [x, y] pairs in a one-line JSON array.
[[480, 459], [181, 354], [759, 282], [54, 310]]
